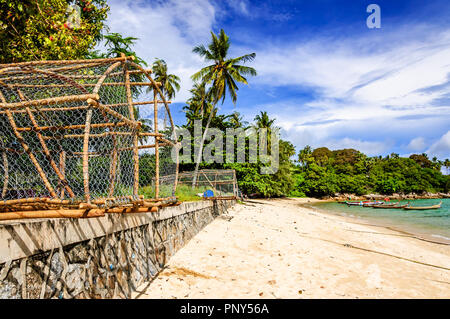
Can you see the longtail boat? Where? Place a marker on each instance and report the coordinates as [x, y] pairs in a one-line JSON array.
[[423, 207], [355, 203], [398, 206], [393, 205], [372, 204]]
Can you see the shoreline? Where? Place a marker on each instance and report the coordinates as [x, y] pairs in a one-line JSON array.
[[408, 230], [345, 197], [279, 249]]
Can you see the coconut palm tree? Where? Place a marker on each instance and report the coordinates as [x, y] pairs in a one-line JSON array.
[[201, 98], [198, 104], [237, 121], [447, 164], [170, 83], [221, 76], [263, 120]]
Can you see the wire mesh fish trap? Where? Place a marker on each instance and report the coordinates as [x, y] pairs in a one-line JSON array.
[[72, 134], [210, 183]]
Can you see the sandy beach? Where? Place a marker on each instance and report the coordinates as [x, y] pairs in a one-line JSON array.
[[279, 249]]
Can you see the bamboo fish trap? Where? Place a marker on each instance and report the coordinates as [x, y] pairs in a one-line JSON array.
[[72, 134]]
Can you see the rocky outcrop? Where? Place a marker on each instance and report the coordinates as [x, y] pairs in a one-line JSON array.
[[344, 197]]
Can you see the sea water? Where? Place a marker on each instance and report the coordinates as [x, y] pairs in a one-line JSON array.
[[430, 224]]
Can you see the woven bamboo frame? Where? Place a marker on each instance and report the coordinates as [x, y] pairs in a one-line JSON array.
[[90, 101]]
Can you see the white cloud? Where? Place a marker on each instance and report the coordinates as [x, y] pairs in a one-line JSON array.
[[441, 148], [363, 87], [417, 144], [166, 30], [339, 69], [239, 6], [368, 147], [381, 85]]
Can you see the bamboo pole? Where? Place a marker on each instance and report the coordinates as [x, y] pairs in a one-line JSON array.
[[30, 69], [136, 103], [165, 141], [45, 209], [81, 107], [124, 149], [32, 200], [155, 98], [142, 147], [75, 213], [54, 85], [62, 168], [220, 198], [151, 134], [76, 66], [166, 105], [55, 167], [71, 76], [132, 210], [48, 101], [112, 169], [70, 127], [60, 213], [99, 135], [28, 151], [87, 130], [103, 201], [63, 62], [134, 124], [135, 135], [6, 172], [219, 182], [60, 77], [45, 148]]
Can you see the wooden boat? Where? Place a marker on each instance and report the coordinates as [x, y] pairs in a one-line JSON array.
[[423, 207], [355, 203], [372, 204], [399, 206], [393, 205]]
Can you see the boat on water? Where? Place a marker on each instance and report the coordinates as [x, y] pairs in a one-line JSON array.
[[385, 205], [361, 203], [372, 204], [408, 207], [391, 206]]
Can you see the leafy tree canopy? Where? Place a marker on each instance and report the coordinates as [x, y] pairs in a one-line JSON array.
[[49, 29]]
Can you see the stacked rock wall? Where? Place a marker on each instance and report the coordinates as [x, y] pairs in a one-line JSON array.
[[106, 257]]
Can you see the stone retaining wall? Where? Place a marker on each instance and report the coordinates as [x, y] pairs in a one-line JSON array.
[[105, 257]]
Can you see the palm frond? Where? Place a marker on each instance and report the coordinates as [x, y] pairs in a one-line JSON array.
[[245, 58], [245, 70]]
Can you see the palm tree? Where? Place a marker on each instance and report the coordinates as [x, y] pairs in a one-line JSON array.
[[201, 98], [221, 75], [199, 103], [117, 45], [237, 121], [263, 120], [170, 83], [447, 164]]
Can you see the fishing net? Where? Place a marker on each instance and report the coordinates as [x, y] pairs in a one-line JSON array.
[[82, 131]]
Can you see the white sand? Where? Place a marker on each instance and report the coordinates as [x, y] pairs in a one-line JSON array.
[[277, 249]]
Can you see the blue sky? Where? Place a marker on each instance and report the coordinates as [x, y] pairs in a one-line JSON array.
[[326, 78]]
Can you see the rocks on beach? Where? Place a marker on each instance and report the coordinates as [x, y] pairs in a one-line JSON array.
[[343, 197]]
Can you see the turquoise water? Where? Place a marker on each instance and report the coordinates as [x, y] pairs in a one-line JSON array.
[[432, 224]]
